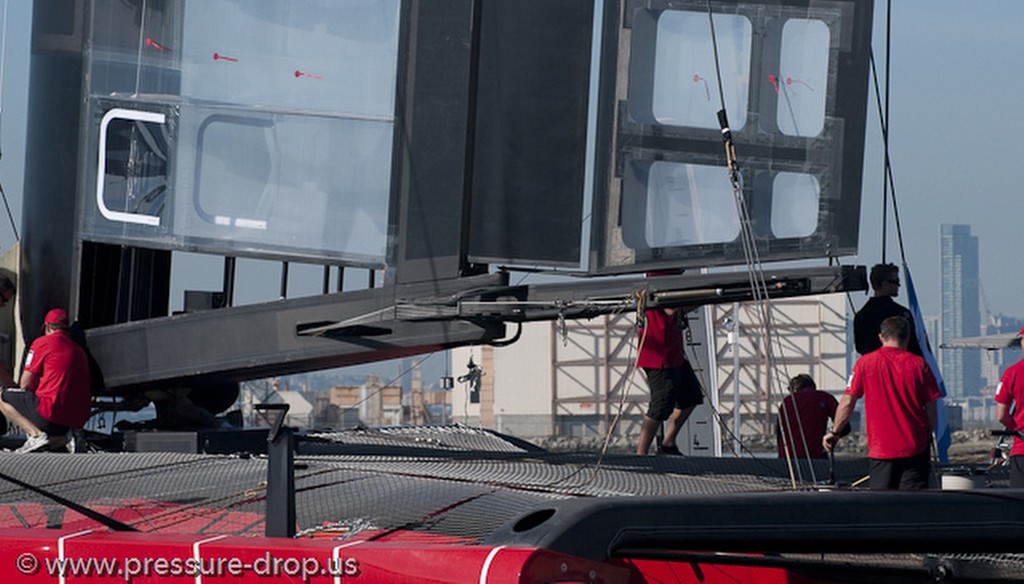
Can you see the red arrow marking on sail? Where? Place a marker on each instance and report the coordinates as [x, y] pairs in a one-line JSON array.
[[220, 57], [303, 74], [697, 79], [791, 81], [151, 43]]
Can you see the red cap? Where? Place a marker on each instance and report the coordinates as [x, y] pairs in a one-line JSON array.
[[1021, 333], [56, 316]]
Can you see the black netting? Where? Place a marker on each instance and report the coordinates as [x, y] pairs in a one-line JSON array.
[[457, 483]]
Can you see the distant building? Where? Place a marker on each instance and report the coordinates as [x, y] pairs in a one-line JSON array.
[[933, 328], [961, 315], [370, 404], [300, 407], [993, 363]]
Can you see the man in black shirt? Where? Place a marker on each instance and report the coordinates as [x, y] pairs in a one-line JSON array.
[[885, 281]]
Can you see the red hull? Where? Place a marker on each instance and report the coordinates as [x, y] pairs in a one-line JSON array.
[[43, 555]]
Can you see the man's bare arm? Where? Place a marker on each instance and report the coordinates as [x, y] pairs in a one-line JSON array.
[[1004, 416], [29, 380], [843, 414]]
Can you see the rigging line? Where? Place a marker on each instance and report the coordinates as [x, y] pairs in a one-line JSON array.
[[138, 54], [609, 432], [759, 286], [714, 48], [723, 425], [849, 297], [3, 57], [762, 299], [790, 440], [754, 265], [785, 383], [723, 117], [10, 215], [77, 507], [3, 62], [641, 301], [780, 436], [400, 375], [891, 182], [883, 115]]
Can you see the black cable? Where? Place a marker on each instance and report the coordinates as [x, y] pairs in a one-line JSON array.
[[82, 509], [10, 216], [884, 117]]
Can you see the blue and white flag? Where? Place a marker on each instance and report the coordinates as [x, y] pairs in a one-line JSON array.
[[941, 427]]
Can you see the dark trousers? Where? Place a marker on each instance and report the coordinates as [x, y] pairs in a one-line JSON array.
[[1017, 472], [904, 474]]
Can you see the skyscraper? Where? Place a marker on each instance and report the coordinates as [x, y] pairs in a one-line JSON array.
[[961, 316]]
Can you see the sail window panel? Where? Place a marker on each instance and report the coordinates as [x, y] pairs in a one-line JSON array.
[[276, 131], [796, 200], [262, 53], [675, 204], [794, 76], [134, 48], [802, 83], [685, 86], [286, 54], [288, 183], [133, 170]]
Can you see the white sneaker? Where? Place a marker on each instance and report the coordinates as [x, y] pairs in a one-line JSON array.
[[35, 443]]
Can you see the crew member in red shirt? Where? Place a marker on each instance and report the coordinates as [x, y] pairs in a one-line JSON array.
[[54, 396], [1010, 412], [674, 387], [899, 394], [803, 419]]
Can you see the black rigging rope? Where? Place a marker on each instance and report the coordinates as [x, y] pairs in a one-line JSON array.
[[888, 183], [77, 507], [755, 270], [10, 216]]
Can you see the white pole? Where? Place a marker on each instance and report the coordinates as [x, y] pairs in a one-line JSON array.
[[711, 350], [736, 377]]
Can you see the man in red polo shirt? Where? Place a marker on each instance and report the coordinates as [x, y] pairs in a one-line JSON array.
[[1010, 413], [803, 419], [899, 394], [54, 396], [674, 387]]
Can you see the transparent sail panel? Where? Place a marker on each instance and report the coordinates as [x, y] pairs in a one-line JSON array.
[[688, 204], [794, 78], [312, 55], [795, 202], [685, 83], [132, 183], [292, 181], [259, 128], [802, 82]]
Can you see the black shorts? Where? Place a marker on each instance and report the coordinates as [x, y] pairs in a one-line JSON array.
[[27, 405], [677, 387], [1017, 472], [905, 474]]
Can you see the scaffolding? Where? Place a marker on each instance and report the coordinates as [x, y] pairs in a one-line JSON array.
[[572, 379], [755, 359], [593, 378]]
